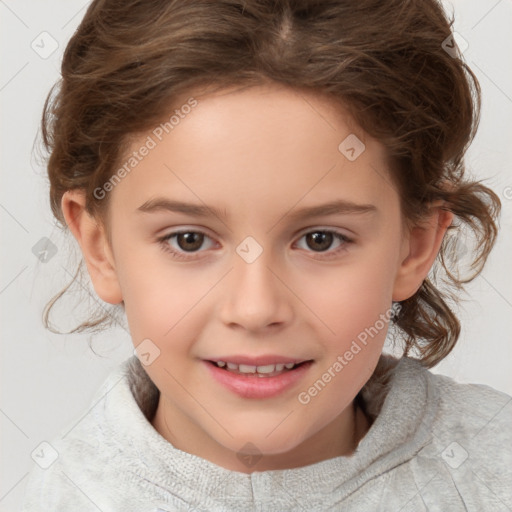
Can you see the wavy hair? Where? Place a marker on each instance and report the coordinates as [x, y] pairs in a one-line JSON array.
[[391, 63]]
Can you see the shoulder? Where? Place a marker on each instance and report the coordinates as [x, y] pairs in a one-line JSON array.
[[471, 410], [471, 443], [71, 469], [465, 410], [63, 470]]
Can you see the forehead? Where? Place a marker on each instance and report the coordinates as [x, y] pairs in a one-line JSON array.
[[256, 148]]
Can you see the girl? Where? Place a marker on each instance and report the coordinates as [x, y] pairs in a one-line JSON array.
[[311, 154]]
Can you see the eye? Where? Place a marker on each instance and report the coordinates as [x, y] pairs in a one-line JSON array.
[[187, 241], [321, 240]]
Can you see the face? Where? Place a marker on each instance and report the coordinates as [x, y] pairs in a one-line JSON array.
[[249, 270]]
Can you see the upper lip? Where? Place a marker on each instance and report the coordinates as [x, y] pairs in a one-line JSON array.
[[258, 360]]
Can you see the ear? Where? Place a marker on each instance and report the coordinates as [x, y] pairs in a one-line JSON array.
[[93, 241], [420, 251]]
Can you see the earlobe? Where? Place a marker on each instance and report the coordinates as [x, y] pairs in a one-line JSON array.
[[422, 248], [92, 239]]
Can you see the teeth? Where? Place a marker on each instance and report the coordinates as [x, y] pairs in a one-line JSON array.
[[269, 368], [245, 368]]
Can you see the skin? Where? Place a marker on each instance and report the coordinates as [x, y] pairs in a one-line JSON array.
[[260, 154]]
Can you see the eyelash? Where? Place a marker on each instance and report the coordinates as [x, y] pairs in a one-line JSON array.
[[163, 241]]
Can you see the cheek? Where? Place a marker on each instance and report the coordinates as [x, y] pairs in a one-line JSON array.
[[166, 302], [354, 305], [355, 310], [350, 297], [156, 294]]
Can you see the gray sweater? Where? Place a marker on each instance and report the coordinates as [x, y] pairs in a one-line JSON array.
[[434, 445]]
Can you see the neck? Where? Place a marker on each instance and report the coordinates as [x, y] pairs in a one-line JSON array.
[[338, 438]]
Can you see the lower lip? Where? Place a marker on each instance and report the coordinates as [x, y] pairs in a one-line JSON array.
[[252, 386]]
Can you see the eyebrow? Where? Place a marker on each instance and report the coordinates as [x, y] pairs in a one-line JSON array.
[[332, 208]]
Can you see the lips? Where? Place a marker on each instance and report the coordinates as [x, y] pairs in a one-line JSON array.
[[262, 377]]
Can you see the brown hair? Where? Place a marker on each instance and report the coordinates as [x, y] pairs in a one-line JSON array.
[[388, 62]]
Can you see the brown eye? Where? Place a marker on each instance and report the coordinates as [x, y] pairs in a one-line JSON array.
[[319, 240], [185, 244], [189, 241], [324, 242]]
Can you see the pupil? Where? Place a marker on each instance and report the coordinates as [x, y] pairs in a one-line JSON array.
[[320, 237]]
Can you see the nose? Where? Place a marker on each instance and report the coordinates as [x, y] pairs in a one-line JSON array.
[[257, 298]]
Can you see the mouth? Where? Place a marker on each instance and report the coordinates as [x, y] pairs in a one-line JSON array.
[[258, 376], [265, 378], [263, 371]]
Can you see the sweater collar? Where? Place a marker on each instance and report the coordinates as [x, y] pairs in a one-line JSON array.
[[399, 398]]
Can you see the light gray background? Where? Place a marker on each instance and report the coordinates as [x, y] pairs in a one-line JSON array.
[[48, 380]]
